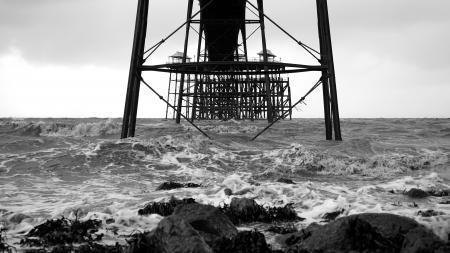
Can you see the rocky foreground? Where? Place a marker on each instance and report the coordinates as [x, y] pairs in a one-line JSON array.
[[190, 227]]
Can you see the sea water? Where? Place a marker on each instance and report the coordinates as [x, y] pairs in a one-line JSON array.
[[79, 168]]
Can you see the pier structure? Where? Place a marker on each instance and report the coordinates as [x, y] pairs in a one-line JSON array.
[[222, 82], [224, 97]]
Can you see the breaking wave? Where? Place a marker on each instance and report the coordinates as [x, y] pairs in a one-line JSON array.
[[42, 128], [54, 168]]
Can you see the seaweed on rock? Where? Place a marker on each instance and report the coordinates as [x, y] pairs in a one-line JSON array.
[[282, 230], [164, 208], [166, 186], [247, 210], [429, 213], [331, 216], [63, 232], [99, 248], [4, 247], [439, 193]]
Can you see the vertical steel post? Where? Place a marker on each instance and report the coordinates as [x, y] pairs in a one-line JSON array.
[[186, 42], [326, 45], [325, 83], [132, 97], [138, 72], [266, 60], [196, 84]]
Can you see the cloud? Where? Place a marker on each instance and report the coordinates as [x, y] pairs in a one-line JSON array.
[[67, 31], [390, 51]]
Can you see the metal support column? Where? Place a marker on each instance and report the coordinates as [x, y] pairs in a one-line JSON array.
[[328, 61], [325, 84], [132, 97], [196, 84], [266, 60], [186, 42]]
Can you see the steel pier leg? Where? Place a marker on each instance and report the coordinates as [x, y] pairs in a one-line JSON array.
[[329, 82], [186, 42], [132, 97], [266, 59]]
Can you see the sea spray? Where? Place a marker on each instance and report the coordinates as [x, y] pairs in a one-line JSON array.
[[81, 167]]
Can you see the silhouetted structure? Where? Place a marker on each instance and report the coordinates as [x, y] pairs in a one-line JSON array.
[[222, 82]]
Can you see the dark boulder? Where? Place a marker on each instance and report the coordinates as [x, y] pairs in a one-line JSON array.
[[243, 210], [245, 242], [191, 228], [419, 240], [417, 193], [164, 208], [173, 235], [365, 233], [429, 213], [196, 228], [244, 205], [209, 221], [228, 191]]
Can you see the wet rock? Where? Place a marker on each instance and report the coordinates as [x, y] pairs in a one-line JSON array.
[[228, 191], [173, 234], [164, 208], [439, 193], [166, 186], [429, 213], [244, 205], [198, 228], [243, 210], [98, 248], [366, 233], [141, 242], [445, 202], [62, 249], [332, 215], [417, 193], [245, 242], [191, 228], [419, 240], [282, 230], [110, 221], [209, 221], [285, 180]]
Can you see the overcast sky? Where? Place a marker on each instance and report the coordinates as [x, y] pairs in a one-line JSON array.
[[70, 58]]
